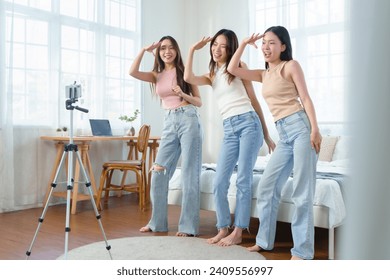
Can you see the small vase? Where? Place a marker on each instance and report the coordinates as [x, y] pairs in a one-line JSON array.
[[131, 131]]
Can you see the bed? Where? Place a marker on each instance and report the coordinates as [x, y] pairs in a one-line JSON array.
[[329, 207]]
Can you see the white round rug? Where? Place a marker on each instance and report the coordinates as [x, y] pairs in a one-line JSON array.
[[160, 248]]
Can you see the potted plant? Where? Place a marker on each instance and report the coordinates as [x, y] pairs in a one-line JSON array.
[[130, 119], [62, 131]]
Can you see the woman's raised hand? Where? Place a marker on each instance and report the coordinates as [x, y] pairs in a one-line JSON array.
[[152, 47], [252, 39], [202, 43]]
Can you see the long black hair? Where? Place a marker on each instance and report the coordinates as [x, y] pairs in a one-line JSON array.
[[284, 37], [231, 47], [159, 65]]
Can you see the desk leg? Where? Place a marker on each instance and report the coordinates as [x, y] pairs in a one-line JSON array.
[[133, 154], [75, 190], [88, 168], [90, 173], [60, 150]]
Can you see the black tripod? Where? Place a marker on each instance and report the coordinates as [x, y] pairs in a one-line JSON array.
[[70, 181]]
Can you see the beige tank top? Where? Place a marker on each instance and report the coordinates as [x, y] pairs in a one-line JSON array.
[[281, 95]]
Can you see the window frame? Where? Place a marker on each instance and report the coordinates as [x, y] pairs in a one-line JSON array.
[[50, 108], [329, 91]]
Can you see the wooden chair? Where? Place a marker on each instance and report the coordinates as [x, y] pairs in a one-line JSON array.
[[138, 166]]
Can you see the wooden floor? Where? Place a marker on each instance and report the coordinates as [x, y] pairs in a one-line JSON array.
[[120, 218]]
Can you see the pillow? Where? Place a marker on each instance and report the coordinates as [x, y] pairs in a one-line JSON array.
[[328, 145], [342, 150]]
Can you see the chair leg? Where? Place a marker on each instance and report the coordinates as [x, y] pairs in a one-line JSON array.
[[108, 185], [100, 190], [105, 185], [123, 181]]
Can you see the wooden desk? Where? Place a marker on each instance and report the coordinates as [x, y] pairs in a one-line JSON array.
[[83, 144]]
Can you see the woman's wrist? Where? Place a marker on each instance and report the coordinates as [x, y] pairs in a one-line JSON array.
[[315, 130]]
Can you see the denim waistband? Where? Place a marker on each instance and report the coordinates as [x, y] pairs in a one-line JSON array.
[[181, 109], [240, 116], [300, 113]]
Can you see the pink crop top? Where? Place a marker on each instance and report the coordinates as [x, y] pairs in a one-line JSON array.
[[166, 80]]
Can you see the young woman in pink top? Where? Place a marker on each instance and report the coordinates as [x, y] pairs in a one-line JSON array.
[[181, 136], [284, 90]]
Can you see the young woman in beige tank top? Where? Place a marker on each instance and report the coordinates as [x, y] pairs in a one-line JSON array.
[[286, 94]]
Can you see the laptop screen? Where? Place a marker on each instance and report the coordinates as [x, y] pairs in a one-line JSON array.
[[100, 127]]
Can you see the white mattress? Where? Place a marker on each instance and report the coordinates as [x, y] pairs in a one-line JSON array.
[[328, 192]]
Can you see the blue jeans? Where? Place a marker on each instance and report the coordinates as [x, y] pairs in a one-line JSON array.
[[243, 137], [293, 153], [182, 135]]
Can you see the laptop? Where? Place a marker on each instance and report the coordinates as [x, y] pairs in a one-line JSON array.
[[100, 127]]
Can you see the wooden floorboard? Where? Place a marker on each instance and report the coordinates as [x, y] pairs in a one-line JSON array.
[[120, 218]]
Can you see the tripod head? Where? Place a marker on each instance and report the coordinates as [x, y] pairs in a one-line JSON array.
[[73, 92], [69, 105]]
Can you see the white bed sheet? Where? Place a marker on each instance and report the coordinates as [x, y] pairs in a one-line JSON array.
[[328, 192]]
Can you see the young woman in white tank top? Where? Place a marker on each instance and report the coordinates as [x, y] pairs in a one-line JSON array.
[[244, 131]]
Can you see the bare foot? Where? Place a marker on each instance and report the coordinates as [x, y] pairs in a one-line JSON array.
[[182, 234], [232, 239], [295, 258], [223, 232], [254, 248], [145, 229]]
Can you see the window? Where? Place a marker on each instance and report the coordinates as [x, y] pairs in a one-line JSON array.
[[318, 34], [51, 44], [30, 68]]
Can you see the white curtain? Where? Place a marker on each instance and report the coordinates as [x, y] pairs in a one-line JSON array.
[[19, 148], [35, 65], [7, 185]]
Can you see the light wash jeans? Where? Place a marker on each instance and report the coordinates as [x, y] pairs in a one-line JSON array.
[[243, 137], [293, 153], [182, 135]]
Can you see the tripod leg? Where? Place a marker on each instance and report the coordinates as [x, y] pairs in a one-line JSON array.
[[69, 188], [98, 217], [42, 217]]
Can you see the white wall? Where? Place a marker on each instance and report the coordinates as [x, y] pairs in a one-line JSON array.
[[188, 21], [159, 18]]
